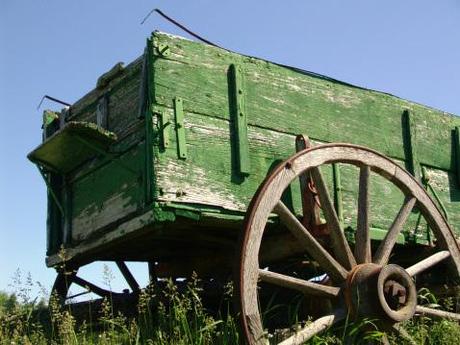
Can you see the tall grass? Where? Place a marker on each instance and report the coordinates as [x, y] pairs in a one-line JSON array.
[[172, 316]]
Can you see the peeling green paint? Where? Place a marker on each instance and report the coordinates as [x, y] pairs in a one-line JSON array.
[[143, 173]]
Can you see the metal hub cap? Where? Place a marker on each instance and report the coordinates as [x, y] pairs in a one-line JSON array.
[[396, 293], [386, 292]]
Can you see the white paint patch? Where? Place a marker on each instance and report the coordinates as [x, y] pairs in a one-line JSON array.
[[274, 100], [438, 179], [348, 101], [94, 217], [175, 179]]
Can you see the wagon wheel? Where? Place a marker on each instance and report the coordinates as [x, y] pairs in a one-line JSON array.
[[361, 284], [65, 279]]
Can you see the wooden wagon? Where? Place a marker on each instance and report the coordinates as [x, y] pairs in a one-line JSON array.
[[159, 163]]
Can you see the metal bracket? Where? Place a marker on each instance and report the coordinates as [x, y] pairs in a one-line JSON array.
[[180, 129], [161, 49], [409, 140], [240, 119], [165, 127]]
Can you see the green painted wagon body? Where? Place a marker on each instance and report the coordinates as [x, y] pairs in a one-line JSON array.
[[160, 161]]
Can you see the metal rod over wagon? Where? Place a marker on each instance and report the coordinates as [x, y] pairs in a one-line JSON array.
[[192, 153]]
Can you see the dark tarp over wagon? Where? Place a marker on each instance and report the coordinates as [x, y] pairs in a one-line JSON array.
[[160, 161]]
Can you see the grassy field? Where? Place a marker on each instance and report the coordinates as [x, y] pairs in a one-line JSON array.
[[174, 317]]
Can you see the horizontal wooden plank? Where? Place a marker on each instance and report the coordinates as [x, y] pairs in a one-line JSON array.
[[291, 102], [107, 194], [209, 176], [82, 251], [123, 100]]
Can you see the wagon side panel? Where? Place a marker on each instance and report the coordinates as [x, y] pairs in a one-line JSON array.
[[279, 103]]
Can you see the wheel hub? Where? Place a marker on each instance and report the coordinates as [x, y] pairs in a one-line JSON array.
[[387, 292]]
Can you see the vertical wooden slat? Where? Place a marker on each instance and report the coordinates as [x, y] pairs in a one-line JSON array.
[[149, 177], [409, 140], [457, 153], [239, 118]]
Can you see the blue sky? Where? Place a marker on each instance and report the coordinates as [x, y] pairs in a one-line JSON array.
[[60, 47]]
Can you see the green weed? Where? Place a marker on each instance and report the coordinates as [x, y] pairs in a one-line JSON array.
[[170, 315]]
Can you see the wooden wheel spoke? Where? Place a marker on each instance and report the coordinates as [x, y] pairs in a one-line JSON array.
[[363, 240], [314, 328], [301, 285], [386, 246], [327, 262], [340, 245], [427, 263], [93, 288], [339, 261], [436, 313]]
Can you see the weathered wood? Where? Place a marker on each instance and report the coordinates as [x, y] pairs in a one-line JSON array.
[[139, 192], [301, 285], [316, 327], [84, 251], [278, 100], [334, 268], [340, 245], [275, 90], [239, 118], [122, 93], [310, 209], [410, 140], [108, 194], [427, 263], [363, 239], [279, 103], [268, 199], [425, 311], [386, 246], [128, 276], [92, 287]]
